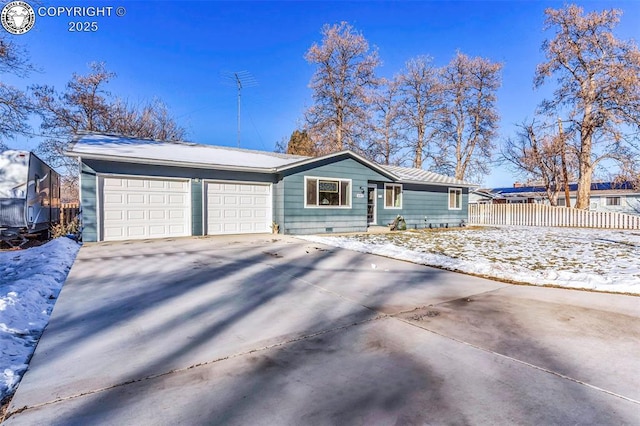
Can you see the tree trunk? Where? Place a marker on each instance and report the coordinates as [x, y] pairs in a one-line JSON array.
[[417, 161], [585, 167], [565, 172], [585, 175], [584, 190]]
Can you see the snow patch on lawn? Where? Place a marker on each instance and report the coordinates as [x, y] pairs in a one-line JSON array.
[[577, 258], [30, 281]]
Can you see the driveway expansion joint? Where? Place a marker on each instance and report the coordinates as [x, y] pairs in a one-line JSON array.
[[519, 361]]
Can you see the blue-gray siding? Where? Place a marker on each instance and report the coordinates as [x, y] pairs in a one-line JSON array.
[[89, 203], [197, 227], [422, 205], [300, 220]]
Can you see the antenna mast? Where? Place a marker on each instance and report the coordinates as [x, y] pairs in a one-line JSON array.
[[241, 79]]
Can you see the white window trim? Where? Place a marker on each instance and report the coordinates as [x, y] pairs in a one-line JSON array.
[[386, 185], [320, 206], [449, 198]]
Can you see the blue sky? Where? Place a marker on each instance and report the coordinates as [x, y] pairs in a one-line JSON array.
[[177, 51]]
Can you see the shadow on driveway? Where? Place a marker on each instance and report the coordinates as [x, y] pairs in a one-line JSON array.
[[280, 331]]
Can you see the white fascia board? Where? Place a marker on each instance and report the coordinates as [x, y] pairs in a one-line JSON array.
[[169, 163]]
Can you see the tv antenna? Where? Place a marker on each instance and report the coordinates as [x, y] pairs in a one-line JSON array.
[[241, 79]]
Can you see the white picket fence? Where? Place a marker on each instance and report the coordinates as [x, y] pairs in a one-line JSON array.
[[543, 215]]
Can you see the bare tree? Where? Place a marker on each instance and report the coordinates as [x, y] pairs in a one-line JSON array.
[[539, 153], [598, 88], [420, 95], [150, 121], [86, 105], [15, 106], [470, 117], [386, 137], [341, 84]]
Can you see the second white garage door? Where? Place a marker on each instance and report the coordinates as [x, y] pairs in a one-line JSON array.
[[237, 208]]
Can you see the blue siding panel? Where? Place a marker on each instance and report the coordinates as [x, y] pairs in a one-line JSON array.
[[89, 203], [278, 204], [196, 207]]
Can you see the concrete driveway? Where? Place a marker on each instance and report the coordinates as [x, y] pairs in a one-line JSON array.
[[275, 330]]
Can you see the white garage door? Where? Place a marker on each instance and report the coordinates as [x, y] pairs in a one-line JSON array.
[[238, 208], [136, 208]]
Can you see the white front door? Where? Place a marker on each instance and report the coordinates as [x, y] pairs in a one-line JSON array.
[[371, 204]]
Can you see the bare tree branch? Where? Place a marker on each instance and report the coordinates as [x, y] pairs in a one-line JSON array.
[[598, 87], [342, 85]]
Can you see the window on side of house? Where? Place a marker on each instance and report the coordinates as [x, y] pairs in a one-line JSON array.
[[612, 201], [392, 196], [455, 199], [327, 192]]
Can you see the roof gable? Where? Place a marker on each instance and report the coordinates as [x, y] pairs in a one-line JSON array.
[[338, 156]]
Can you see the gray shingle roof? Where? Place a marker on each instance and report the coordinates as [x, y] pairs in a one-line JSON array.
[[420, 175]]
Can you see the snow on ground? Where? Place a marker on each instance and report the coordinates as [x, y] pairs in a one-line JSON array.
[[606, 260], [30, 281]]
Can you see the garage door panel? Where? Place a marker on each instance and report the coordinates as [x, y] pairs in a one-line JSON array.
[[135, 208], [113, 198], [135, 231], [159, 199], [134, 198], [157, 215], [135, 215], [113, 233], [180, 186], [177, 200], [113, 183], [237, 208]]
